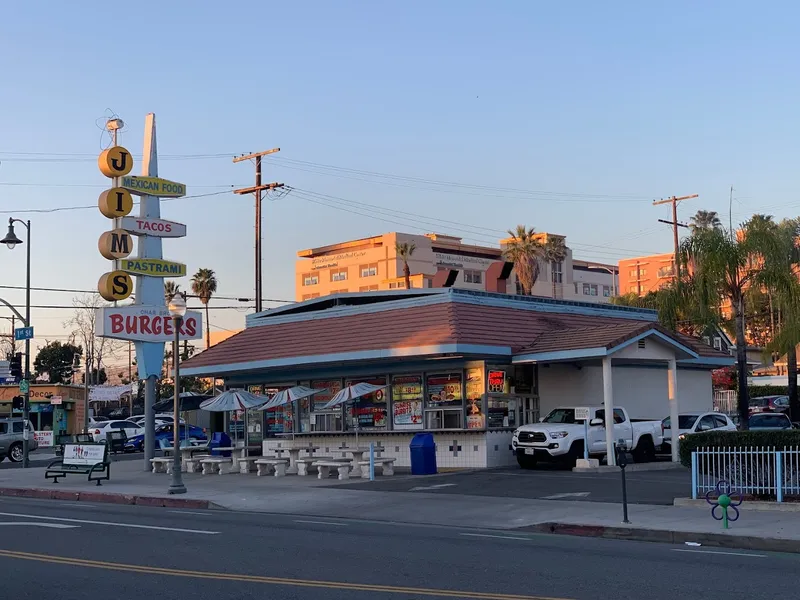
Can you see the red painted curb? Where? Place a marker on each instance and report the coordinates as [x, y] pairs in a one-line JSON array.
[[106, 498]]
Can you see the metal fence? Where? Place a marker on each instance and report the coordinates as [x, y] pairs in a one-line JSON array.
[[769, 473]]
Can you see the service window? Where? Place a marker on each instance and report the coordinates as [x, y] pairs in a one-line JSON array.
[[370, 411], [321, 419], [444, 402]]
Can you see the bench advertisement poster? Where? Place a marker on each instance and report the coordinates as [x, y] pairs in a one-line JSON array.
[[84, 454]]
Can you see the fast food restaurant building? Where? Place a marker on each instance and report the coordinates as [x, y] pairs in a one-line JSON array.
[[467, 366]]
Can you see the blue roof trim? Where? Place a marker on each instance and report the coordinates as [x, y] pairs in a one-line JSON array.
[[361, 355], [396, 299], [560, 355], [665, 338]]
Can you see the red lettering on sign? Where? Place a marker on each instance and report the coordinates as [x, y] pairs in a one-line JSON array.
[[191, 326], [144, 324], [131, 325], [116, 323], [168, 330], [168, 227]]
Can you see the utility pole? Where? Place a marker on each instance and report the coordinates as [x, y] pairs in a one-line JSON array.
[[675, 224], [257, 189]]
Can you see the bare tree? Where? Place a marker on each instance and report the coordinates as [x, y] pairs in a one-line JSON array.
[[82, 325]]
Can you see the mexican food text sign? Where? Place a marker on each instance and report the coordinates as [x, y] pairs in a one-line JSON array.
[[145, 324], [152, 186]]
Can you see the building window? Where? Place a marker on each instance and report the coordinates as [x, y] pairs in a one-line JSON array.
[[310, 296], [606, 291], [397, 285], [558, 276], [344, 291], [407, 399], [370, 411], [339, 275], [717, 343], [634, 289], [368, 288], [473, 276], [444, 405], [310, 278], [370, 270], [330, 419], [666, 271], [589, 289]]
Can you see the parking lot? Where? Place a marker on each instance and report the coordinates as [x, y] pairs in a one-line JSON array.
[[644, 487]]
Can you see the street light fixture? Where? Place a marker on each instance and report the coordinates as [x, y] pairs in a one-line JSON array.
[[177, 308], [11, 240]]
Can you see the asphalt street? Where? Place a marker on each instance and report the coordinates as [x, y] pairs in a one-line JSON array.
[[68, 550], [644, 487]]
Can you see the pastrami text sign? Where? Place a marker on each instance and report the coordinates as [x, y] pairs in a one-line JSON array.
[[141, 323]]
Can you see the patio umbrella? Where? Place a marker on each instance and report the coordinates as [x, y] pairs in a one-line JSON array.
[[289, 395], [234, 399], [187, 401], [351, 394]]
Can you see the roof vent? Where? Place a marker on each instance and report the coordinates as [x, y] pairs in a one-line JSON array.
[[641, 344]]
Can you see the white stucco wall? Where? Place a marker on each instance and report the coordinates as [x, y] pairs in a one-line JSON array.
[[640, 390]]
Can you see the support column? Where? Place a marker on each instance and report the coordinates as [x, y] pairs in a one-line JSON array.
[[672, 393], [608, 403]]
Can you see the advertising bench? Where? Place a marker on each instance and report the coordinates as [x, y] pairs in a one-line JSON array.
[[82, 459]]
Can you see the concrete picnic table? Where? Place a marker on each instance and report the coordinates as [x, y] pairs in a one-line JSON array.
[[234, 458], [357, 454], [294, 453]]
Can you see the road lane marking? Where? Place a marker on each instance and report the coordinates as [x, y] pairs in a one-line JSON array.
[[716, 552], [108, 524], [309, 583], [432, 487], [499, 537], [189, 512], [50, 525], [321, 523], [566, 495], [53, 503]]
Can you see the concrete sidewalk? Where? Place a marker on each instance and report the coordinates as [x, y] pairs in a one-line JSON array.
[[762, 530]]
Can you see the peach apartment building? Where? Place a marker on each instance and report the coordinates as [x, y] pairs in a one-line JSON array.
[[372, 264], [645, 273]]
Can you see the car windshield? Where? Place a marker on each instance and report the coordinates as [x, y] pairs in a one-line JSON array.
[[771, 421], [760, 402], [684, 421], [561, 415]]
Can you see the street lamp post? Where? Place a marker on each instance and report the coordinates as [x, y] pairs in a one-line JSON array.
[[177, 308], [11, 240]]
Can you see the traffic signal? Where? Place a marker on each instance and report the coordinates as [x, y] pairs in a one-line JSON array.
[[16, 365], [17, 403]]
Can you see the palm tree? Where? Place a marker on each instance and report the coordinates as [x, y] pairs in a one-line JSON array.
[[170, 289], [555, 251], [204, 285], [525, 251], [405, 251], [778, 277], [705, 219], [724, 266]]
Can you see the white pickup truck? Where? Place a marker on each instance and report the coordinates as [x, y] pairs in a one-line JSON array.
[[560, 437]]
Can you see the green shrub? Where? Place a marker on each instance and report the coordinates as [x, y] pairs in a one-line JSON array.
[[737, 439], [755, 391]]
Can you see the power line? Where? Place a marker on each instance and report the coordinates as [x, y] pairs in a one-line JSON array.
[[77, 291]]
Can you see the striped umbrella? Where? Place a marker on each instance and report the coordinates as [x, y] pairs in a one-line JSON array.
[[297, 392], [235, 399], [351, 394]]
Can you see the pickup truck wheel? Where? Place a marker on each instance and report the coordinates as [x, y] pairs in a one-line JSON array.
[[526, 462], [645, 451], [15, 452], [575, 452]]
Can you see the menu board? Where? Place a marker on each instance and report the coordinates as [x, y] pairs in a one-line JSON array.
[[444, 390], [369, 410], [407, 402]]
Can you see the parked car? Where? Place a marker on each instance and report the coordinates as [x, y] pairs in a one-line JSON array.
[[97, 419], [99, 430], [560, 436], [160, 420], [689, 423], [769, 404], [164, 432], [11, 431], [770, 422]]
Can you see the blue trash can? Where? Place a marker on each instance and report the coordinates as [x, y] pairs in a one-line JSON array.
[[423, 454], [220, 440]]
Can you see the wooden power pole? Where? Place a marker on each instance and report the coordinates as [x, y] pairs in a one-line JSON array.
[[675, 224], [257, 189]]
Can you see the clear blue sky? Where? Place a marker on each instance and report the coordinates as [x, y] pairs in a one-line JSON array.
[[593, 109]]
